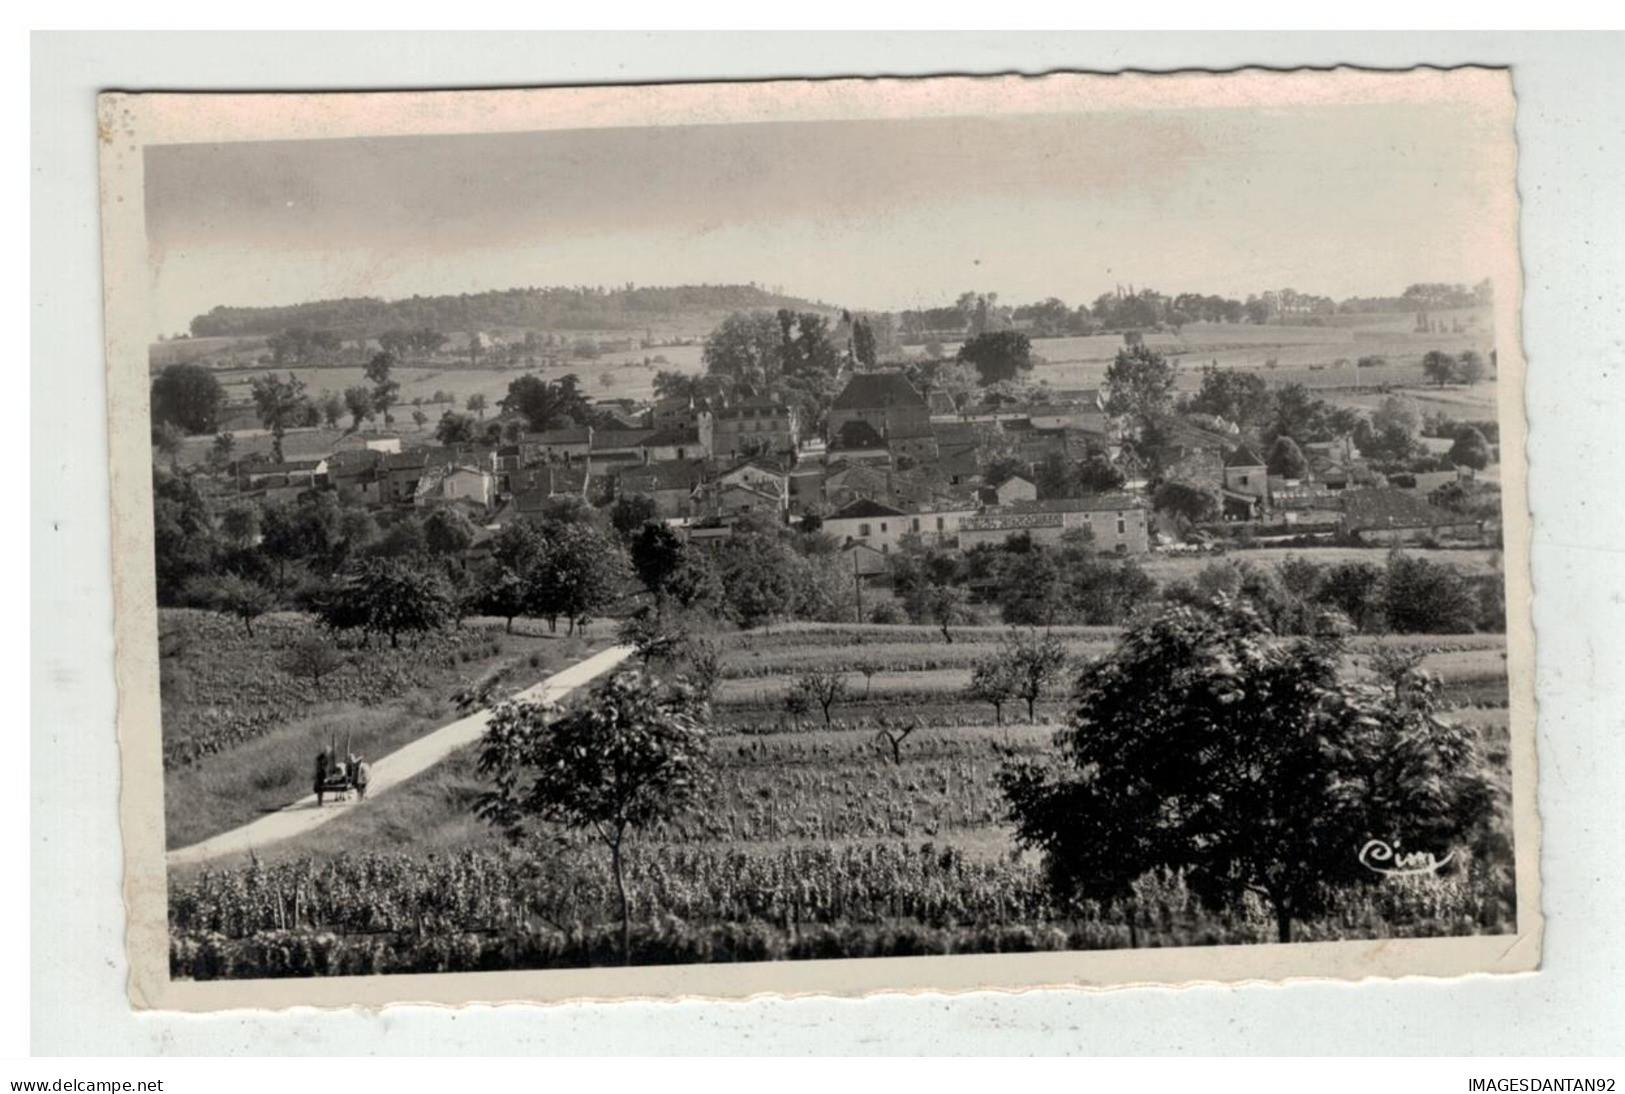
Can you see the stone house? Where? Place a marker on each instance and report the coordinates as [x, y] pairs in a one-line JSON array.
[[754, 426], [884, 400], [1120, 523]]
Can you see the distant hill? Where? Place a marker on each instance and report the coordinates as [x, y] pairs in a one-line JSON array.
[[550, 309]]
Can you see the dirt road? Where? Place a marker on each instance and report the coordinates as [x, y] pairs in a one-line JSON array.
[[389, 771]]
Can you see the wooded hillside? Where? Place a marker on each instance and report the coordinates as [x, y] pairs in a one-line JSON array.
[[580, 308]]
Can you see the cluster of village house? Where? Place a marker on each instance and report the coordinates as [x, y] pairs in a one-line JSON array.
[[894, 463]]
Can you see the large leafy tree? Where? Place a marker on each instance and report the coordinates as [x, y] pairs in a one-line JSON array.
[[498, 591], [633, 756], [1470, 449], [184, 541], [657, 553], [672, 570], [1424, 597], [579, 572], [863, 342], [1029, 587], [1234, 395], [673, 384], [1100, 590], [1356, 590], [454, 428], [1470, 367], [1204, 744], [517, 546], [187, 397], [759, 574], [1140, 384], [1439, 366], [746, 350], [998, 355], [992, 681], [1035, 663], [389, 596], [332, 407], [1189, 503], [786, 353], [358, 401], [548, 404], [1098, 475], [1299, 415], [448, 531], [1286, 459], [235, 596], [806, 349], [281, 405], [385, 388]]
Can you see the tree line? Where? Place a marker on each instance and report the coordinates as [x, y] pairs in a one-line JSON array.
[[626, 307], [1037, 585]]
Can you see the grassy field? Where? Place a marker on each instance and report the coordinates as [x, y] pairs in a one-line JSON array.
[[240, 733]]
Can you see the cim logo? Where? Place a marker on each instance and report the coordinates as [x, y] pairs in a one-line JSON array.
[[1380, 858]]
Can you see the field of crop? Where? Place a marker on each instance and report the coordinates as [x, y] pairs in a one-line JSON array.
[[1283, 354], [814, 842], [240, 731]]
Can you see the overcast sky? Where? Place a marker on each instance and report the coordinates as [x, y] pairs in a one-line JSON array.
[[1340, 201]]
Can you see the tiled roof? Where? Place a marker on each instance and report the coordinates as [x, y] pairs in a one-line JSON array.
[[857, 435], [351, 461], [551, 478], [872, 390], [664, 475], [669, 437], [749, 488], [1243, 456], [761, 463], [865, 507], [605, 439], [573, 435], [910, 430], [1092, 503]]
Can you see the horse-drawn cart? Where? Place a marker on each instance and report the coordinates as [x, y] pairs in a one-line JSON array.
[[340, 774]]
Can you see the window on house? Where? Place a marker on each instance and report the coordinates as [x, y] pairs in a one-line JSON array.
[[1122, 526], [1244, 480], [916, 524], [863, 530], [940, 524], [885, 548], [882, 527]]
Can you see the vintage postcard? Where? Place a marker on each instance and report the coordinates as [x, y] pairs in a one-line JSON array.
[[837, 536]]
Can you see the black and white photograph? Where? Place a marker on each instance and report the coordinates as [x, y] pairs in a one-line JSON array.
[[820, 536]]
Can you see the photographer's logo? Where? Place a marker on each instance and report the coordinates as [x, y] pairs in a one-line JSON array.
[[1381, 858]]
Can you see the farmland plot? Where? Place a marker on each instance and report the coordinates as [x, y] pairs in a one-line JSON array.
[[815, 842], [240, 730]]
